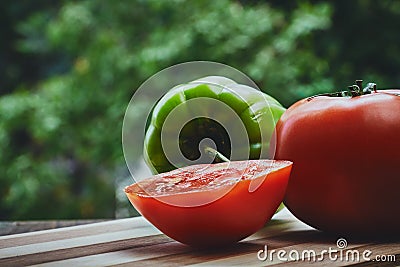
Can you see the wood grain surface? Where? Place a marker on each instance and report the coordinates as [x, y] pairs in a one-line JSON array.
[[135, 242], [18, 227]]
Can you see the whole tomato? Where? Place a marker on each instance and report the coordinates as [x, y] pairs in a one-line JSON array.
[[346, 154]]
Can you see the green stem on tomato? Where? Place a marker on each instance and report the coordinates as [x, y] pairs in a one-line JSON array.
[[216, 154], [359, 84], [352, 90], [371, 87]]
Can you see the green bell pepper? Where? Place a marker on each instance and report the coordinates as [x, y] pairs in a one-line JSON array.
[[258, 112]]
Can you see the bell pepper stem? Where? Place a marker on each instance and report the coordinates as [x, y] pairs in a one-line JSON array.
[[215, 153]]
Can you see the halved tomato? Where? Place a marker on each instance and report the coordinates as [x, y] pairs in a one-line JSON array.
[[212, 204]]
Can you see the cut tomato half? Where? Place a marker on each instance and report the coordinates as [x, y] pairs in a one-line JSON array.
[[214, 204]]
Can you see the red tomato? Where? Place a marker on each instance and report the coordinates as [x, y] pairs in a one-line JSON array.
[[212, 205], [346, 154]]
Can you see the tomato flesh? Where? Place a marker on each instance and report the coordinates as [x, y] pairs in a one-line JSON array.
[[212, 205]]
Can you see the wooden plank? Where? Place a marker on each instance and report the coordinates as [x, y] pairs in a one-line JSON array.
[[135, 242], [317, 243], [377, 249], [246, 250], [101, 238], [81, 241], [12, 228], [122, 256], [80, 251], [155, 252], [71, 243], [178, 254], [75, 231]]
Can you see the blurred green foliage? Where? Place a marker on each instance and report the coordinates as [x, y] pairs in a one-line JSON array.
[[69, 70]]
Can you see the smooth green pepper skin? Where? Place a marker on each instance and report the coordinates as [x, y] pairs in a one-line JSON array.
[[258, 112]]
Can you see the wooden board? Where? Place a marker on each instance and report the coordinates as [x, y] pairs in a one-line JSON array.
[[135, 242]]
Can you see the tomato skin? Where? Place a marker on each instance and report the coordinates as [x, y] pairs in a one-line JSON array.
[[346, 154], [224, 221]]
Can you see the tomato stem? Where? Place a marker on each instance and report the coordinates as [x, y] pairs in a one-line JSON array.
[[216, 154], [369, 88], [359, 84], [352, 90]]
